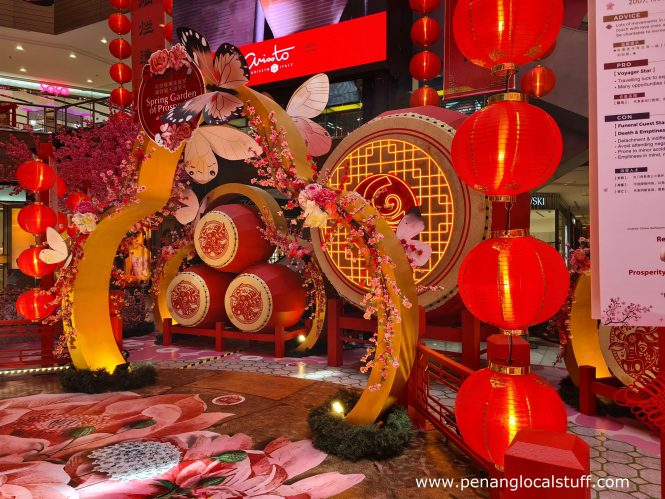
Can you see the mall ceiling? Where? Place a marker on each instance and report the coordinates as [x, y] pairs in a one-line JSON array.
[[60, 17]]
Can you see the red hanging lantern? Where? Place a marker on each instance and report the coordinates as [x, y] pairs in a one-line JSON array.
[[509, 32], [120, 23], [507, 148], [538, 81], [425, 31], [167, 31], [513, 282], [120, 48], [491, 407], [36, 218], [168, 6], [425, 65], [121, 97], [121, 4], [35, 304], [72, 231], [425, 96], [74, 199], [35, 176], [60, 187], [121, 72], [424, 6], [30, 264], [62, 223]]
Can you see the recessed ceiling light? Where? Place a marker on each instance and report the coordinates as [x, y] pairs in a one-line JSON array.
[[89, 80], [19, 47], [103, 40], [72, 55], [22, 70]]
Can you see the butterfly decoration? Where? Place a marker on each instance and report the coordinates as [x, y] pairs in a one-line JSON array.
[[58, 250], [307, 102], [222, 74], [408, 229], [192, 209], [224, 141]]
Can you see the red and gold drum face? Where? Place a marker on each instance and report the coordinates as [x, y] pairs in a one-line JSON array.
[[399, 162]]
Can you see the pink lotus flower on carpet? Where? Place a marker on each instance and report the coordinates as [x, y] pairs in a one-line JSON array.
[[38, 480], [74, 423], [212, 465]]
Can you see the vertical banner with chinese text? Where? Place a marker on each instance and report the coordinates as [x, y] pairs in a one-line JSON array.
[[147, 37]]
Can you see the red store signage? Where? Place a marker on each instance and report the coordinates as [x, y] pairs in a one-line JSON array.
[[343, 45]]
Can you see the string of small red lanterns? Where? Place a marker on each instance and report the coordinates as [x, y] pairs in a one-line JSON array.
[[511, 280], [425, 65], [120, 49]]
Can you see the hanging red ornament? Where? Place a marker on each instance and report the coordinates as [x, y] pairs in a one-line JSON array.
[[507, 148], [35, 304], [30, 264], [60, 187], [424, 6], [74, 199], [538, 81], [120, 48], [425, 65], [121, 4], [425, 31], [509, 33], [425, 96], [72, 231], [120, 23], [167, 31], [121, 72], [168, 6], [62, 223], [513, 282], [121, 97], [491, 407], [35, 176], [35, 218]]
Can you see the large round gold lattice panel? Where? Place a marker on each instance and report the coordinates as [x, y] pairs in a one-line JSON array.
[[399, 162]]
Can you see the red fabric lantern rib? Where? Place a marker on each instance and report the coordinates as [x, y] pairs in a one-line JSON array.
[[513, 282], [36, 218], [121, 97], [35, 176], [30, 264], [35, 306], [490, 408], [507, 148], [120, 48], [425, 96], [120, 23], [425, 65], [424, 6], [491, 32], [538, 81], [121, 72], [425, 31]]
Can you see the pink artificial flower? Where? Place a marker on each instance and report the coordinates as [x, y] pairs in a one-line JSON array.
[[177, 56], [159, 62], [38, 480]]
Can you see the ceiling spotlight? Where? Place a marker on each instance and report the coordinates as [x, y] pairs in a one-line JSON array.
[[72, 55], [89, 80], [22, 70], [103, 40], [19, 47]]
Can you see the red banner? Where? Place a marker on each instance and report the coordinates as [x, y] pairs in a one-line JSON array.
[[461, 77], [147, 37], [343, 45]]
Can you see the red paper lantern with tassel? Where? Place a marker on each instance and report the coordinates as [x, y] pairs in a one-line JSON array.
[[168, 6], [425, 96], [425, 65], [35, 176], [425, 31], [121, 72], [74, 199], [120, 48], [120, 23], [30, 264], [538, 81], [35, 218], [424, 6], [35, 305], [121, 97], [61, 187]]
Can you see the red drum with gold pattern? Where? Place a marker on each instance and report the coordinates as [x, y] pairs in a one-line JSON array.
[[265, 296], [228, 239], [195, 297]]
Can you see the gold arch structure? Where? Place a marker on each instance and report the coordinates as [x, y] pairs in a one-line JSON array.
[[95, 346]]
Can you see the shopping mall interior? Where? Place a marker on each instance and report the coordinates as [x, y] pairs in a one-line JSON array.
[[331, 248]]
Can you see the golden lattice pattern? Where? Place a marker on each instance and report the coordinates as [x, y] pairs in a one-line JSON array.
[[414, 169]]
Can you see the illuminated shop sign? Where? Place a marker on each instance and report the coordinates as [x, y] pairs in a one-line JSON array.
[[347, 44]]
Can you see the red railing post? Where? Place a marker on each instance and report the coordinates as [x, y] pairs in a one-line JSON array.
[[587, 397], [335, 345], [470, 340]]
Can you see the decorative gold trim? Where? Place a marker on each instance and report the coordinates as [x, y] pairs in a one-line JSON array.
[[505, 69], [504, 234], [501, 367], [508, 96], [502, 199], [515, 332]]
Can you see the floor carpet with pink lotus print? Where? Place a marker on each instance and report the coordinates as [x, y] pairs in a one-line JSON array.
[[196, 434]]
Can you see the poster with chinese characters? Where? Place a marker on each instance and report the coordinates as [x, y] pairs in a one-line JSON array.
[[147, 37], [627, 48]]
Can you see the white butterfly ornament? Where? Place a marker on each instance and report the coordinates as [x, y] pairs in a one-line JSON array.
[[58, 250], [307, 102], [408, 229]]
